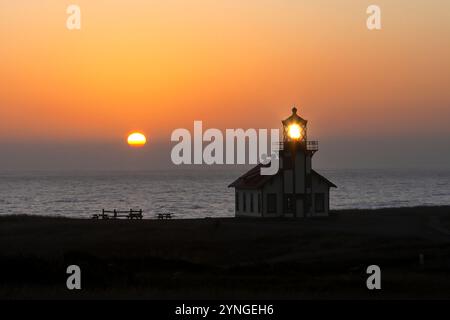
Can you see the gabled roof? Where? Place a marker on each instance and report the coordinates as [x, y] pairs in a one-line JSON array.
[[253, 179], [321, 177]]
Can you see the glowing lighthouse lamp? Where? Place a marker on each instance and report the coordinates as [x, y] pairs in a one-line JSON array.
[[294, 128], [295, 132]]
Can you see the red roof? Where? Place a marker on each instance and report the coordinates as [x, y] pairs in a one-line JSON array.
[[253, 179]]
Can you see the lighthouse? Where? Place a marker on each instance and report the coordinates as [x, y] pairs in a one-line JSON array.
[[297, 190]]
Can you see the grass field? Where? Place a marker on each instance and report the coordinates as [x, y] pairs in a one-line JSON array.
[[229, 258]]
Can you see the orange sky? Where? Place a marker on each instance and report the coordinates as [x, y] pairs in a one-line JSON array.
[[158, 65]]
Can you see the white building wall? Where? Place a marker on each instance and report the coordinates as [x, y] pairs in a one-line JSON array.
[[302, 163], [275, 187], [320, 186], [248, 212]]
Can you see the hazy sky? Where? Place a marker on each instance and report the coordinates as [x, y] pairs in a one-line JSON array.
[[372, 98]]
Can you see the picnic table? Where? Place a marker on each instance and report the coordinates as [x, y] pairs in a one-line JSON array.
[[164, 216], [116, 214]]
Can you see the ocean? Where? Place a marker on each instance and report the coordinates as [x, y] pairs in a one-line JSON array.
[[202, 193]]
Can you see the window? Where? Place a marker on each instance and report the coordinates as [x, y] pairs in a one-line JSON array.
[[251, 202], [271, 203], [237, 201], [259, 203], [245, 203], [288, 203], [319, 202]]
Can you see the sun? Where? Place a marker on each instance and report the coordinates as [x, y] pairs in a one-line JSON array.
[[136, 139]]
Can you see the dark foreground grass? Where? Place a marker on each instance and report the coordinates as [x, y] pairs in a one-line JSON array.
[[230, 258]]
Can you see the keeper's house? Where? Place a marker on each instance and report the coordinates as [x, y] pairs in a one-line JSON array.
[[296, 190]]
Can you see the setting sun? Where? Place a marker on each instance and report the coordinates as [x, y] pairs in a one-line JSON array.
[[136, 139]]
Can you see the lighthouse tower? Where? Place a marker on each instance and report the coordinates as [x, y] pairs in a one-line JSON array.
[[296, 159], [297, 190]]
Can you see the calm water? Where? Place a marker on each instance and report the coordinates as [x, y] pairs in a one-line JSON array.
[[197, 194]]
